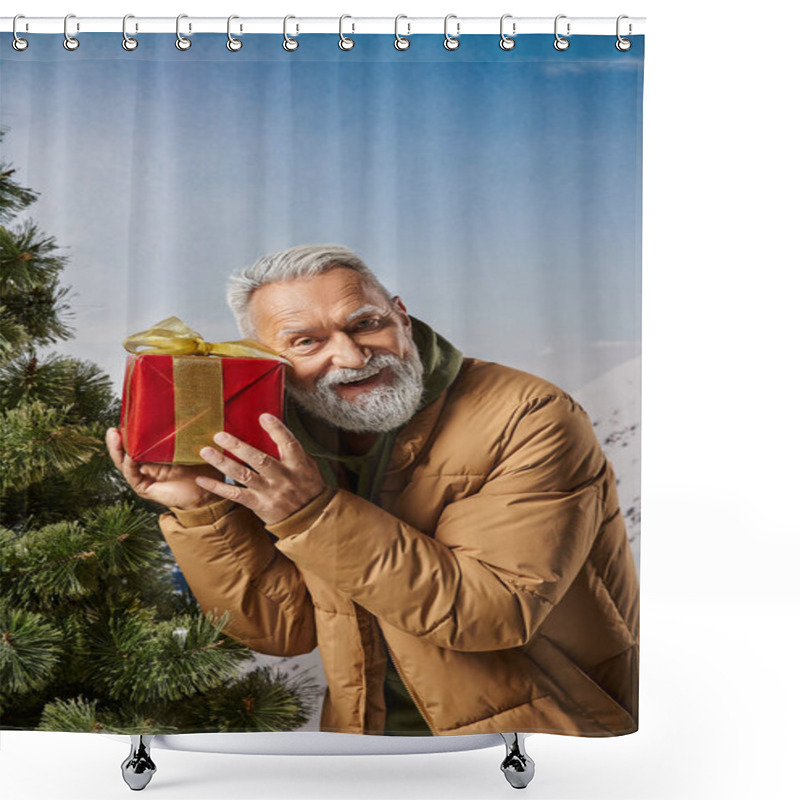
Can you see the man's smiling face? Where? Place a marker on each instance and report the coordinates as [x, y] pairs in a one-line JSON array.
[[354, 362]]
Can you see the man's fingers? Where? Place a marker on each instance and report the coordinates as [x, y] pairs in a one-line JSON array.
[[115, 449], [289, 447], [124, 463], [261, 462], [132, 474], [233, 469], [235, 493]]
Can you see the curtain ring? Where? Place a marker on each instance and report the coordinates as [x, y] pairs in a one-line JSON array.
[[128, 42], [451, 42], [623, 44], [19, 43], [181, 42], [233, 44], [345, 43], [70, 42], [506, 42], [561, 43], [400, 42], [290, 44]]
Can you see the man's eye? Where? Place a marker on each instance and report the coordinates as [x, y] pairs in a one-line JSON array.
[[367, 323], [304, 342]]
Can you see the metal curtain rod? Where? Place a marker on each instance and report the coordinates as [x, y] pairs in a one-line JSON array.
[[244, 25]]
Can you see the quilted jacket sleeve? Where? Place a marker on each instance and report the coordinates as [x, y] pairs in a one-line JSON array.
[[498, 560], [232, 565]]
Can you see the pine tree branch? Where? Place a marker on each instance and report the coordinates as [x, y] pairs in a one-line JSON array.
[[58, 381], [13, 337], [75, 715], [30, 649], [126, 540], [144, 660], [13, 197], [53, 564], [36, 441], [264, 699], [42, 313], [27, 260]]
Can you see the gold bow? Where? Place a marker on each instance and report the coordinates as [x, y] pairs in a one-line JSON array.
[[173, 337]]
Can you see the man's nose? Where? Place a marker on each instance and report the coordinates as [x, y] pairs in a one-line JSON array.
[[347, 354]]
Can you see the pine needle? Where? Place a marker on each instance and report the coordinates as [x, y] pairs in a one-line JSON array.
[[30, 649]]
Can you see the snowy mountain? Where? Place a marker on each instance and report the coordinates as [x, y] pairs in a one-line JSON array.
[[613, 401]]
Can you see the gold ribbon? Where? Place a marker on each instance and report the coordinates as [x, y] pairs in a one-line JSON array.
[[173, 337], [199, 406]]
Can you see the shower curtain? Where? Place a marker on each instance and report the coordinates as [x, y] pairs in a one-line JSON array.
[[422, 517]]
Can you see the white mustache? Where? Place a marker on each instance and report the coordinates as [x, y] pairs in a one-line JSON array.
[[353, 375], [381, 409]]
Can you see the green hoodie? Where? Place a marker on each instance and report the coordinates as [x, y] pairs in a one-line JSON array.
[[441, 362]]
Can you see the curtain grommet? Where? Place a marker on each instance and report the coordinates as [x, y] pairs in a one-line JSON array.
[[290, 44], [560, 43], [622, 44], [70, 42], [345, 42], [401, 42], [233, 44], [19, 44], [451, 42], [507, 42], [129, 43], [181, 42]]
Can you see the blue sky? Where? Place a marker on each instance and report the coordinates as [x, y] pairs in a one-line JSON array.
[[497, 192]]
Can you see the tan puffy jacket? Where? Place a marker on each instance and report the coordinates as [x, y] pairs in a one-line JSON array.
[[495, 565]]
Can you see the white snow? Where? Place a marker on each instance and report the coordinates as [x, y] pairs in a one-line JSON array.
[[613, 401]]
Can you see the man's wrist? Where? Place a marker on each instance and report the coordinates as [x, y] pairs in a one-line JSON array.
[[304, 517], [203, 515]]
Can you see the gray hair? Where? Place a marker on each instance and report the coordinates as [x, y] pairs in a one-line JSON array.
[[304, 261]]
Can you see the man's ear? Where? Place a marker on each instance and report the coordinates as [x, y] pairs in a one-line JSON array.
[[401, 310]]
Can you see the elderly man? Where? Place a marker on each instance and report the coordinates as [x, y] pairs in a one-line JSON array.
[[446, 530]]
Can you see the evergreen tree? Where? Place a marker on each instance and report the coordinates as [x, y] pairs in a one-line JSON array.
[[95, 632]]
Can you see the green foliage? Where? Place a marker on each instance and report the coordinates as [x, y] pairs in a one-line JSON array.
[[57, 381], [30, 649], [261, 700], [95, 634], [75, 715], [29, 287], [80, 715], [125, 539], [36, 441], [43, 311], [13, 197], [139, 657], [105, 553], [13, 336], [61, 567], [27, 260]]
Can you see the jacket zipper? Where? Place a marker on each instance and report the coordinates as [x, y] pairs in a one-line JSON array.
[[408, 687]]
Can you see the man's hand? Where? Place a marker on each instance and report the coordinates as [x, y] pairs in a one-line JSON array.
[[170, 485], [272, 489]]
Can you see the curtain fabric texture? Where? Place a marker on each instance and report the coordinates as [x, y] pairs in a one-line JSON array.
[[436, 531]]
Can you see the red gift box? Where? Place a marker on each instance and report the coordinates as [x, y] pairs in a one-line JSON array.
[[172, 405]]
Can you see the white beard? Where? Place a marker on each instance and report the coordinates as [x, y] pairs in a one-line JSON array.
[[383, 408]]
